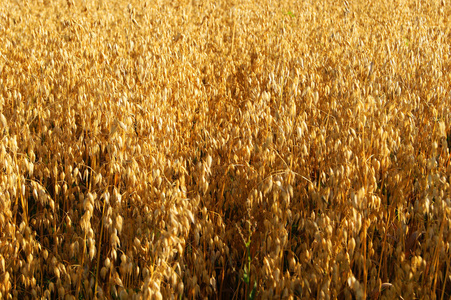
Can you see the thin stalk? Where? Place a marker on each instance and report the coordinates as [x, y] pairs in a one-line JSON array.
[[365, 271], [446, 276], [80, 273], [436, 254], [99, 247]]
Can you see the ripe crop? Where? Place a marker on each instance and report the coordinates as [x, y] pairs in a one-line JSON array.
[[225, 149]]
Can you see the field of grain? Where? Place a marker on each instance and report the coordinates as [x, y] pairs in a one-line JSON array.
[[225, 149]]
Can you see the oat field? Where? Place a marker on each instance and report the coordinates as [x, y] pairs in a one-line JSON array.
[[227, 149]]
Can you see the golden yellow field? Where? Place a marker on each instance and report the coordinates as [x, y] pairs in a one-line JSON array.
[[225, 149]]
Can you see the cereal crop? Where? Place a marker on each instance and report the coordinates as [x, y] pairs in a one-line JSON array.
[[225, 149]]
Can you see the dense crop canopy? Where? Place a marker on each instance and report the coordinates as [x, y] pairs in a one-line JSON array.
[[225, 149]]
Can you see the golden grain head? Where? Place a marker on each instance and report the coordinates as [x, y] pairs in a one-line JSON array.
[[204, 149]]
